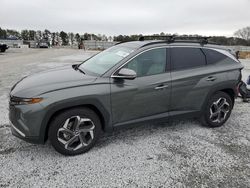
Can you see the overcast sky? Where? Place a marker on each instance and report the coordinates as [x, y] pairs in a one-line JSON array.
[[112, 17]]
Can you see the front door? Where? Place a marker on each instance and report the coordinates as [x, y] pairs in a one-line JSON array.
[[148, 94]]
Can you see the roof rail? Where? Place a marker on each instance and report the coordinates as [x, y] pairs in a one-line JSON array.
[[176, 38], [157, 37]]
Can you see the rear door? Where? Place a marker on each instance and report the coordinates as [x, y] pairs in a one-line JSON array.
[[148, 94], [191, 79]]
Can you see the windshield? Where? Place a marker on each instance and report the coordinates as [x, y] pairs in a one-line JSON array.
[[102, 62]]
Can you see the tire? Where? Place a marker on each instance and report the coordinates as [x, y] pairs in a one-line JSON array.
[[217, 110], [75, 131], [3, 50]]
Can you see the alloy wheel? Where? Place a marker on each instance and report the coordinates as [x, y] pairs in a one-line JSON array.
[[76, 133], [219, 110]]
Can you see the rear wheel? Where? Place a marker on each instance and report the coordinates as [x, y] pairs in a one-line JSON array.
[[74, 131], [3, 50], [218, 110]]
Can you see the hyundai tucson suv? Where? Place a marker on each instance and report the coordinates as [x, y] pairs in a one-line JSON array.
[[127, 84]]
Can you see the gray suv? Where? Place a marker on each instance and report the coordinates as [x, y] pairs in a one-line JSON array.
[[127, 84]]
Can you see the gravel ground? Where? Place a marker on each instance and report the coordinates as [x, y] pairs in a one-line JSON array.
[[173, 154]]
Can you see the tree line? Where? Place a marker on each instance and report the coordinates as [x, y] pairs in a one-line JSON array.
[[241, 37], [54, 38]]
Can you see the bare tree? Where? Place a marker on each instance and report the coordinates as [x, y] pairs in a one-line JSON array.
[[104, 38], [110, 38], [38, 35], [243, 33], [71, 38], [58, 39]]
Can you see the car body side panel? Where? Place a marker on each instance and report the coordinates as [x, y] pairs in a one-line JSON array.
[[190, 88]]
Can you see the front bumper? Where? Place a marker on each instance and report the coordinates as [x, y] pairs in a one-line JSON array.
[[17, 133], [26, 121]]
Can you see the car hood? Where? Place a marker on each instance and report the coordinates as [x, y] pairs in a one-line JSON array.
[[47, 81]]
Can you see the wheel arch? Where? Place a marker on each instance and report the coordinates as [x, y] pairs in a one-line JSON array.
[[228, 88], [231, 93], [98, 108]]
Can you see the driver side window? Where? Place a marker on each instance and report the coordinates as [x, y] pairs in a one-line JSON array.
[[149, 63]]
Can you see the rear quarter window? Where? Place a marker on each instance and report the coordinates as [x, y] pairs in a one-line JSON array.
[[215, 57], [186, 57]]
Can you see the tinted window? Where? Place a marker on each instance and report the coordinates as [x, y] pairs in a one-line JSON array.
[[184, 58], [149, 63], [215, 57]]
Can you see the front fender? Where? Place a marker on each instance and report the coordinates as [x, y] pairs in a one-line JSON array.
[[61, 100]]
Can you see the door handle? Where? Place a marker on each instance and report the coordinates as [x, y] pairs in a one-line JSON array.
[[161, 87], [211, 78]]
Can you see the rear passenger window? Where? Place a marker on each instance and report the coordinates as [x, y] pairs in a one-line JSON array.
[[185, 58], [215, 57]]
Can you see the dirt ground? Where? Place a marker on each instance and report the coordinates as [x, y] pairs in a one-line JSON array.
[[171, 154]]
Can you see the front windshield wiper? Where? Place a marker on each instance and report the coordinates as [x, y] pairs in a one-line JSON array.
[[76, 67]]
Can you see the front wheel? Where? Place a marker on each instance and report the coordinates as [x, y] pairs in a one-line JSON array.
[[218, 110], [74, 131]]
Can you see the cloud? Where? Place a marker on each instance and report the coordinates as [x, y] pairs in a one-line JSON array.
[[114, 17]]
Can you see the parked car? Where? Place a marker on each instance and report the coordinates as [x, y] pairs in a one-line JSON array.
[[127, 84], [3, 47], [43, 45]]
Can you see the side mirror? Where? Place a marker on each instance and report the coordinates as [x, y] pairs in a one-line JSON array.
[[125, 73]]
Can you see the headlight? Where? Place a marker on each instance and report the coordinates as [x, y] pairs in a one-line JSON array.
[[20, 101]]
